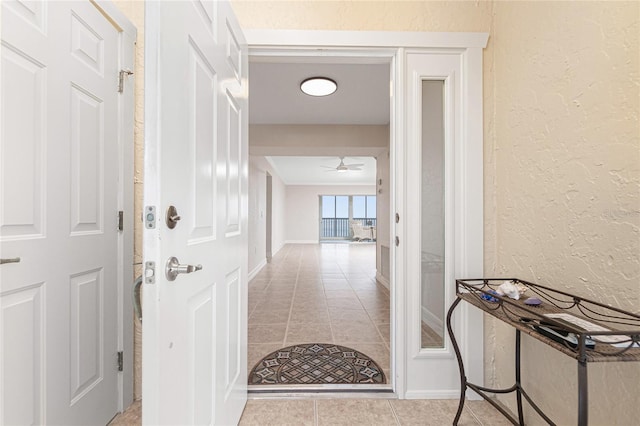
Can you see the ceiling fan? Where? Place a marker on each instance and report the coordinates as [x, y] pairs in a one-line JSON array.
[[344, 167]]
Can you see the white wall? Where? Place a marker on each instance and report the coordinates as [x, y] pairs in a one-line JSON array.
[[257, 216], [258, 169], [279, 209], [302, 208]]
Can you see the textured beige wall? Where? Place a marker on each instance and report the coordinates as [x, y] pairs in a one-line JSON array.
[[134, 10], [567, 180], [566, 116], [365, 15]]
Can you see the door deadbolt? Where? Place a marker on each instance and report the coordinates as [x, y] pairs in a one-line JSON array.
[[172, 217], [174, 268]]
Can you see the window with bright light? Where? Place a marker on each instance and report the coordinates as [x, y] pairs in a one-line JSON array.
[[338, 211]]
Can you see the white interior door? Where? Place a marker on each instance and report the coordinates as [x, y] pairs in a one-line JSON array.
[[195, 327], [58, 214]]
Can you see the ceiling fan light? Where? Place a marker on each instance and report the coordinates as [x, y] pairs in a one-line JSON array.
[[318, 86]]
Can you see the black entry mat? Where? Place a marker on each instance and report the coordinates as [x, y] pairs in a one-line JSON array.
[[316, 363]]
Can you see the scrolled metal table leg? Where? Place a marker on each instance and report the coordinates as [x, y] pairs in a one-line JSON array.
[[583, 394], [463, 378], [518, 380]]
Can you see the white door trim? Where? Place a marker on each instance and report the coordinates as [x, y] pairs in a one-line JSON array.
[[363, 39], [127, 40], [469, 241]]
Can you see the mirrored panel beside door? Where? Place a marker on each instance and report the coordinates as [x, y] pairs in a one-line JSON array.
[[432, 215]]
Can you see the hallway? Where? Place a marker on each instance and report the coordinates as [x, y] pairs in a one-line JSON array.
[[323, 293]]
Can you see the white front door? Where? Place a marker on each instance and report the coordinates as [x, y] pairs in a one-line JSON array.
[[195, 327], [58, 214]]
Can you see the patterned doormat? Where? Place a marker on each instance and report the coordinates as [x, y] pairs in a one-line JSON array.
[[316, 363]]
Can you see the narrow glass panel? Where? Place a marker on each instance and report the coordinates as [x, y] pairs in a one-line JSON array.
[[342, 206], [432, 193], [328, 221], [371, 207], [359, 207], [328, 206]]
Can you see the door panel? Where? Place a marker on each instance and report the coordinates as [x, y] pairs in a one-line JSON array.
[[195, 160], [23, 360], [233, 166], [202, 146], [24, 78], [58, 198], [201, 343], [87, 147], [233, 332], [86, 326], [86, 44]]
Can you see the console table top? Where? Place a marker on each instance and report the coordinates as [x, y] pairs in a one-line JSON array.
[[480, 293]]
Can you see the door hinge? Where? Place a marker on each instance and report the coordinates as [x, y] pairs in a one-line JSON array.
[[121, 76], [120, 220], [120, 361]]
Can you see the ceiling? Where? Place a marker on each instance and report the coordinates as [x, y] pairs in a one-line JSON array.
[[314, 171], [362, 98]]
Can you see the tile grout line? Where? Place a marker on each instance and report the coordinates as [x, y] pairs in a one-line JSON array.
[[293, 298], [393, 411], [382, 338], [326, 303], [316, 420], [473, 414]]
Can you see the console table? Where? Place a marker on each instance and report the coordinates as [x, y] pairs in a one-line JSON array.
[[593, 332]]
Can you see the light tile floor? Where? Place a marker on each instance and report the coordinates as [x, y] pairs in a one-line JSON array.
[[320, 293], [368, 412], [351, 412]]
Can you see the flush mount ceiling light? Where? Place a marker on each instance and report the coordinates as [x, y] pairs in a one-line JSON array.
[[318, 86]]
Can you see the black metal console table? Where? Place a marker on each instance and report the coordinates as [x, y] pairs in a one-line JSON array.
[[610, 334]]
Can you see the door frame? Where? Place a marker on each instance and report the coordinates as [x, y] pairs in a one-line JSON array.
[[392, 47], [127, 35]]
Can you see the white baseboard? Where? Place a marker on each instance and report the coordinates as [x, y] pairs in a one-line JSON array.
[[382, 280], [433, 394], [432, 321], [301, 242], [441, 394], [257, 269]]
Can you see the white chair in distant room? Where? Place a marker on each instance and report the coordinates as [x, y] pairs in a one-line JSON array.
[[360, 232]]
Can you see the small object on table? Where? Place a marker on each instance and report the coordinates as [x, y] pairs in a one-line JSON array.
[[512, 288], [533, 301], [490, 298]]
